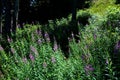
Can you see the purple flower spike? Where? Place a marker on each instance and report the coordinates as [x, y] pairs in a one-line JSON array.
[[9, 39], [85, 57], [12, 50], [24, 59], [31, 57], [47, 37], [53, 60], [55, 47], [107, 62], [33, 49], [1, 48], [95, 36], [88, 68], [117, 47], [39, 41], [44, 64]]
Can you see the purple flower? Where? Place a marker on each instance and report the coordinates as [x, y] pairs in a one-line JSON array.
[[117, 47], [39, 32], [13, 50], [9, 40], [33, 49], [1, 48], [33, 39], [55, 47], [47, 37], [95, 36], [24, 59], [53, 60], [72, 35], [69, 39], [39, 41], [88, 68], [31, 57], [85, 57], [107, 62], [44, 64]]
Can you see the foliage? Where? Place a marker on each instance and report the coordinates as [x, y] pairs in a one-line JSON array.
[[94, 57]]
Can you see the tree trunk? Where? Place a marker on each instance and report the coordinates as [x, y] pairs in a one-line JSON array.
[[15, 16], [74, 10], [6, 29], [0, 16]]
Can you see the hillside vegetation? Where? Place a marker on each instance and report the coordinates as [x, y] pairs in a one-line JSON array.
[[92, 47]]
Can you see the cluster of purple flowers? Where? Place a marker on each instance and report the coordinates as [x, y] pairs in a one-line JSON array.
[[88, 69], [47, 38], [53, 60], [33, 49], [31, 57]]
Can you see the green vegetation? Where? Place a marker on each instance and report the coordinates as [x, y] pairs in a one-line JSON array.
[[94, 57]]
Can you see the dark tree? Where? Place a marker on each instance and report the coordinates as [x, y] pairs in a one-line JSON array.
[[24, 11], [74, 13], [15, 15], [0, 16], [7, 26], [117, 1]]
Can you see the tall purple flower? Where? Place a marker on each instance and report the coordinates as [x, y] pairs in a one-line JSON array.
[[39, 41], [33, 38], [24, 59], [1, 48], [39, 32], [85, 57], [33, 49], [31, 57], [72, 34], [9, 39], [88, 68], [117, 47], [13, 50], [46, 35], [53, 60], [44, 64], [107, 62], [95, 36]]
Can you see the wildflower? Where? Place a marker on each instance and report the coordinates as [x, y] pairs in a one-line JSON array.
[[33, 49], [88, 68], [53, 60], [117, 47], [85, 57], [107, 62], [31, 57], [47, 37], [39, 41], [12, 50], [24, 59], [95, 36], [33, 38], [72, 35], [44, 64], [1, 48], [69, 39], [9, 39], [55, 45], [39, 32]]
